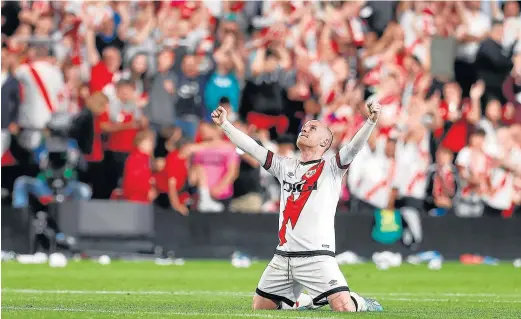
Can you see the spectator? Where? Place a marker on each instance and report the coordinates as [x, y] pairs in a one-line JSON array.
[[10, 101], [172, 180], [189, 91], [442, 183], [121, 122], [493, 62], [377, 180], [43, 96], [473, 29], [247, 197], [95, 174], [472, 166], [460, 115], [502, 171], [225, 80], [111, 24], [412, 161], [161, 107], [219, 165], [492, 121], [103, 69], [140, 37], [262, 99], [138, 184], [512, 90]]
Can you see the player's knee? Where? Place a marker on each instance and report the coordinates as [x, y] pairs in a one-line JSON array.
[[261, 303]]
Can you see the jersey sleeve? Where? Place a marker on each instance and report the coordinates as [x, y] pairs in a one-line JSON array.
[[274, 164]]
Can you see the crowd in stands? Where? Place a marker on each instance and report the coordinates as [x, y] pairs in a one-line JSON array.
[[137, 82]]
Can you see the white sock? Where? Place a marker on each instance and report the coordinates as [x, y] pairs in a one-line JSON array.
[[205, 193], [360, 303]]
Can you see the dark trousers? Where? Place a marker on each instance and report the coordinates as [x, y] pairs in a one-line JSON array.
[[114, 165], [465, 76], [95, 177]]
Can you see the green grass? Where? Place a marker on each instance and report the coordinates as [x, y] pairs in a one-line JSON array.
[[202, 289]]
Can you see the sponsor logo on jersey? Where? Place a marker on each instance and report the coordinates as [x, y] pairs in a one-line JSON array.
[[333, 282], [291, 175], [299, 187]]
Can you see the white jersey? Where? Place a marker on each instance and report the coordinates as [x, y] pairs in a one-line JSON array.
[[412, 162], [377, 180], [474, 163], [309, 196], [43, 93], [501, 181], [309, 191]]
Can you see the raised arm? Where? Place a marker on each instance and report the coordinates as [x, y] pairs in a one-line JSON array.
[[239, 138], [348, 152]]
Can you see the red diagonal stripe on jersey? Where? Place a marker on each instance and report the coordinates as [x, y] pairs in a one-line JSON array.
[[417, 178], [294, 206], [383, 183], [41, 87]]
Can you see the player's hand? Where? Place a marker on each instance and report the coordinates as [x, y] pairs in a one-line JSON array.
[[374, 109], [219, 116]]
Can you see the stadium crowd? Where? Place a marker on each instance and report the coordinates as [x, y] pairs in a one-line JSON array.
[[139, 79]]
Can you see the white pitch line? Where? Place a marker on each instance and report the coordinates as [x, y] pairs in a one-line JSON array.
[[133, 292], [162, 313], [240, 294], [446, 300]]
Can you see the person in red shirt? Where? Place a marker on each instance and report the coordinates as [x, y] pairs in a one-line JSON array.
[[138, 181], [97, 103], [172, 175], [103, 68], [121, 122]]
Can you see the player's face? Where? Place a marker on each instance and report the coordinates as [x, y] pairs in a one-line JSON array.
[[311, 135]]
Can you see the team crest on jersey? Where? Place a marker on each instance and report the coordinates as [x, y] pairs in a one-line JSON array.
[[310, 173]]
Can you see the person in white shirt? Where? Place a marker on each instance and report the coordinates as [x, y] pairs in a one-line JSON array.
[[43, 88], [472, 165], [377, 185], [474, 28], [505, 166], [310, 190]]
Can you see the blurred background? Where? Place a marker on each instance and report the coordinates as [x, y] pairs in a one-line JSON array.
[[108, 144]]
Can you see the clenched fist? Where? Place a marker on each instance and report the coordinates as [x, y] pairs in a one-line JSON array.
[[374, 109], [219, 115]]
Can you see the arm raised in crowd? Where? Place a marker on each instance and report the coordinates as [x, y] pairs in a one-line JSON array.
[[348, 152]]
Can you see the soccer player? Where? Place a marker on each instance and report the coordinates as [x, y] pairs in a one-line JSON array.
[[310, 189]]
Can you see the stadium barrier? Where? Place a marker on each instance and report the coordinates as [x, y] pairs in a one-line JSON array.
[[123, 226]]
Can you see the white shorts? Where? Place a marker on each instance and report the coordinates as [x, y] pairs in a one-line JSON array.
[[285, 277]]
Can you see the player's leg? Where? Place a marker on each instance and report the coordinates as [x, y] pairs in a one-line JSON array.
[[276, 286], [326, 285]]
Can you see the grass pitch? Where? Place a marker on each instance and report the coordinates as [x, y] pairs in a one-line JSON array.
[[202, 289]]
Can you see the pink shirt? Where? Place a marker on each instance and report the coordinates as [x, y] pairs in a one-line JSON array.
[[216, 162]]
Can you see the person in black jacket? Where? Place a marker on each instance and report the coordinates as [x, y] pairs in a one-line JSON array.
[[10, 101], [493, 63]]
